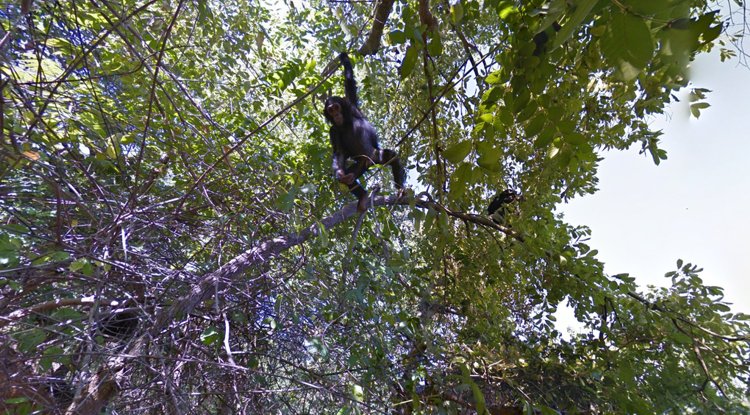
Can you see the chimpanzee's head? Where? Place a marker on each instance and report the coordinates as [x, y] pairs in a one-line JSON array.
[[338, 111]]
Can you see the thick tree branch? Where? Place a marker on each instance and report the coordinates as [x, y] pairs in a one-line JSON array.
[[268, 249], [372, 44], [426, 17]]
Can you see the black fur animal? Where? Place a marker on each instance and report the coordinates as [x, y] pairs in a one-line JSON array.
[[498, 206], [540, 39], [352, 136], [120, 325]]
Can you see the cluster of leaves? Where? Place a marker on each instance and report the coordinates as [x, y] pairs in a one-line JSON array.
[[153, 153]]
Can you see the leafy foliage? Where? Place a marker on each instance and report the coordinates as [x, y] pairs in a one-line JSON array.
[[169, 160]]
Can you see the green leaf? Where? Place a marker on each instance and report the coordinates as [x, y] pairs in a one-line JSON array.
[[488, 156], [708, 32], [535, 125], [67, 315], [626, 373], [553, 152], [322, 234], [416, 38], [459, 180], [650, 7], [457, 153], [493, 95], [505, 9], [82, 265], [457, 13], [457, 189], [316, 346], [344, 411], [493, 78], [681, 337], [575, 138], [527, 112], [564, 158], [582, 9], [627, 45], [545, 138], [53, 355], [435, 47], [555, 114], [358, 393], [478, 398], [285, 202], [567, 126], [410, 60], [521, 101], [396, 37], [464, 173], [28, 341], [695, 108], [210, 336], [506, 116], [64, 256]]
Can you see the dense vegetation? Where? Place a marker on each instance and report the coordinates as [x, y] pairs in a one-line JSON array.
[[172, 239]]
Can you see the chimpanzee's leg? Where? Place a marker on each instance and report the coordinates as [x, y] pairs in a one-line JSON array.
[[358, 168], [384, 157]]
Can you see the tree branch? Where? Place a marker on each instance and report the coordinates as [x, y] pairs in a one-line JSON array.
[[372, 44], [102, 386], [659, 308], [52, 305]]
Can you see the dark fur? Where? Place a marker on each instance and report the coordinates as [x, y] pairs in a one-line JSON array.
[[355, 138], [120, 325], [498, 206], [540, 39]]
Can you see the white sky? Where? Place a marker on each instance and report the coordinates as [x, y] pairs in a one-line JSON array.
[[694, 206]]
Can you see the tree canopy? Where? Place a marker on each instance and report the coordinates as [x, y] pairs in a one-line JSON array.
[[173, 240]]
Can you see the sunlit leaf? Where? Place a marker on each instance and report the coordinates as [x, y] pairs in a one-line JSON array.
[[457, 12], [627, 45], [410, 60], [435, 47], [457, 152], [581, 9], [397, 37]]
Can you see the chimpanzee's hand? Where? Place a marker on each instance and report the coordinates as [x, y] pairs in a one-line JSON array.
[[346, 179]]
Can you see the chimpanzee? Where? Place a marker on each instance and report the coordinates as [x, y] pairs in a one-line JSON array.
[[540, 39], [119, 325], [497, 208], [352, 136]]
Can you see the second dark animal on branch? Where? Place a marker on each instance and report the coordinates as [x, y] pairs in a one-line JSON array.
[[119, 325], [540, 39], [352, 136], [499, 205]]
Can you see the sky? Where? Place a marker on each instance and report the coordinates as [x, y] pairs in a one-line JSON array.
[[693, 206]]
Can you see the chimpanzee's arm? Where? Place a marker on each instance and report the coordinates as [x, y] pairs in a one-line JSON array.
[[339, 158], [350, 85]]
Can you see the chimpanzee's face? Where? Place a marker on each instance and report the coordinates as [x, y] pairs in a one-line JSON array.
[[336, 109]]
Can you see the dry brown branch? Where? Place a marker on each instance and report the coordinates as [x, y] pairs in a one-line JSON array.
[[103, 386], [52, 305]]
